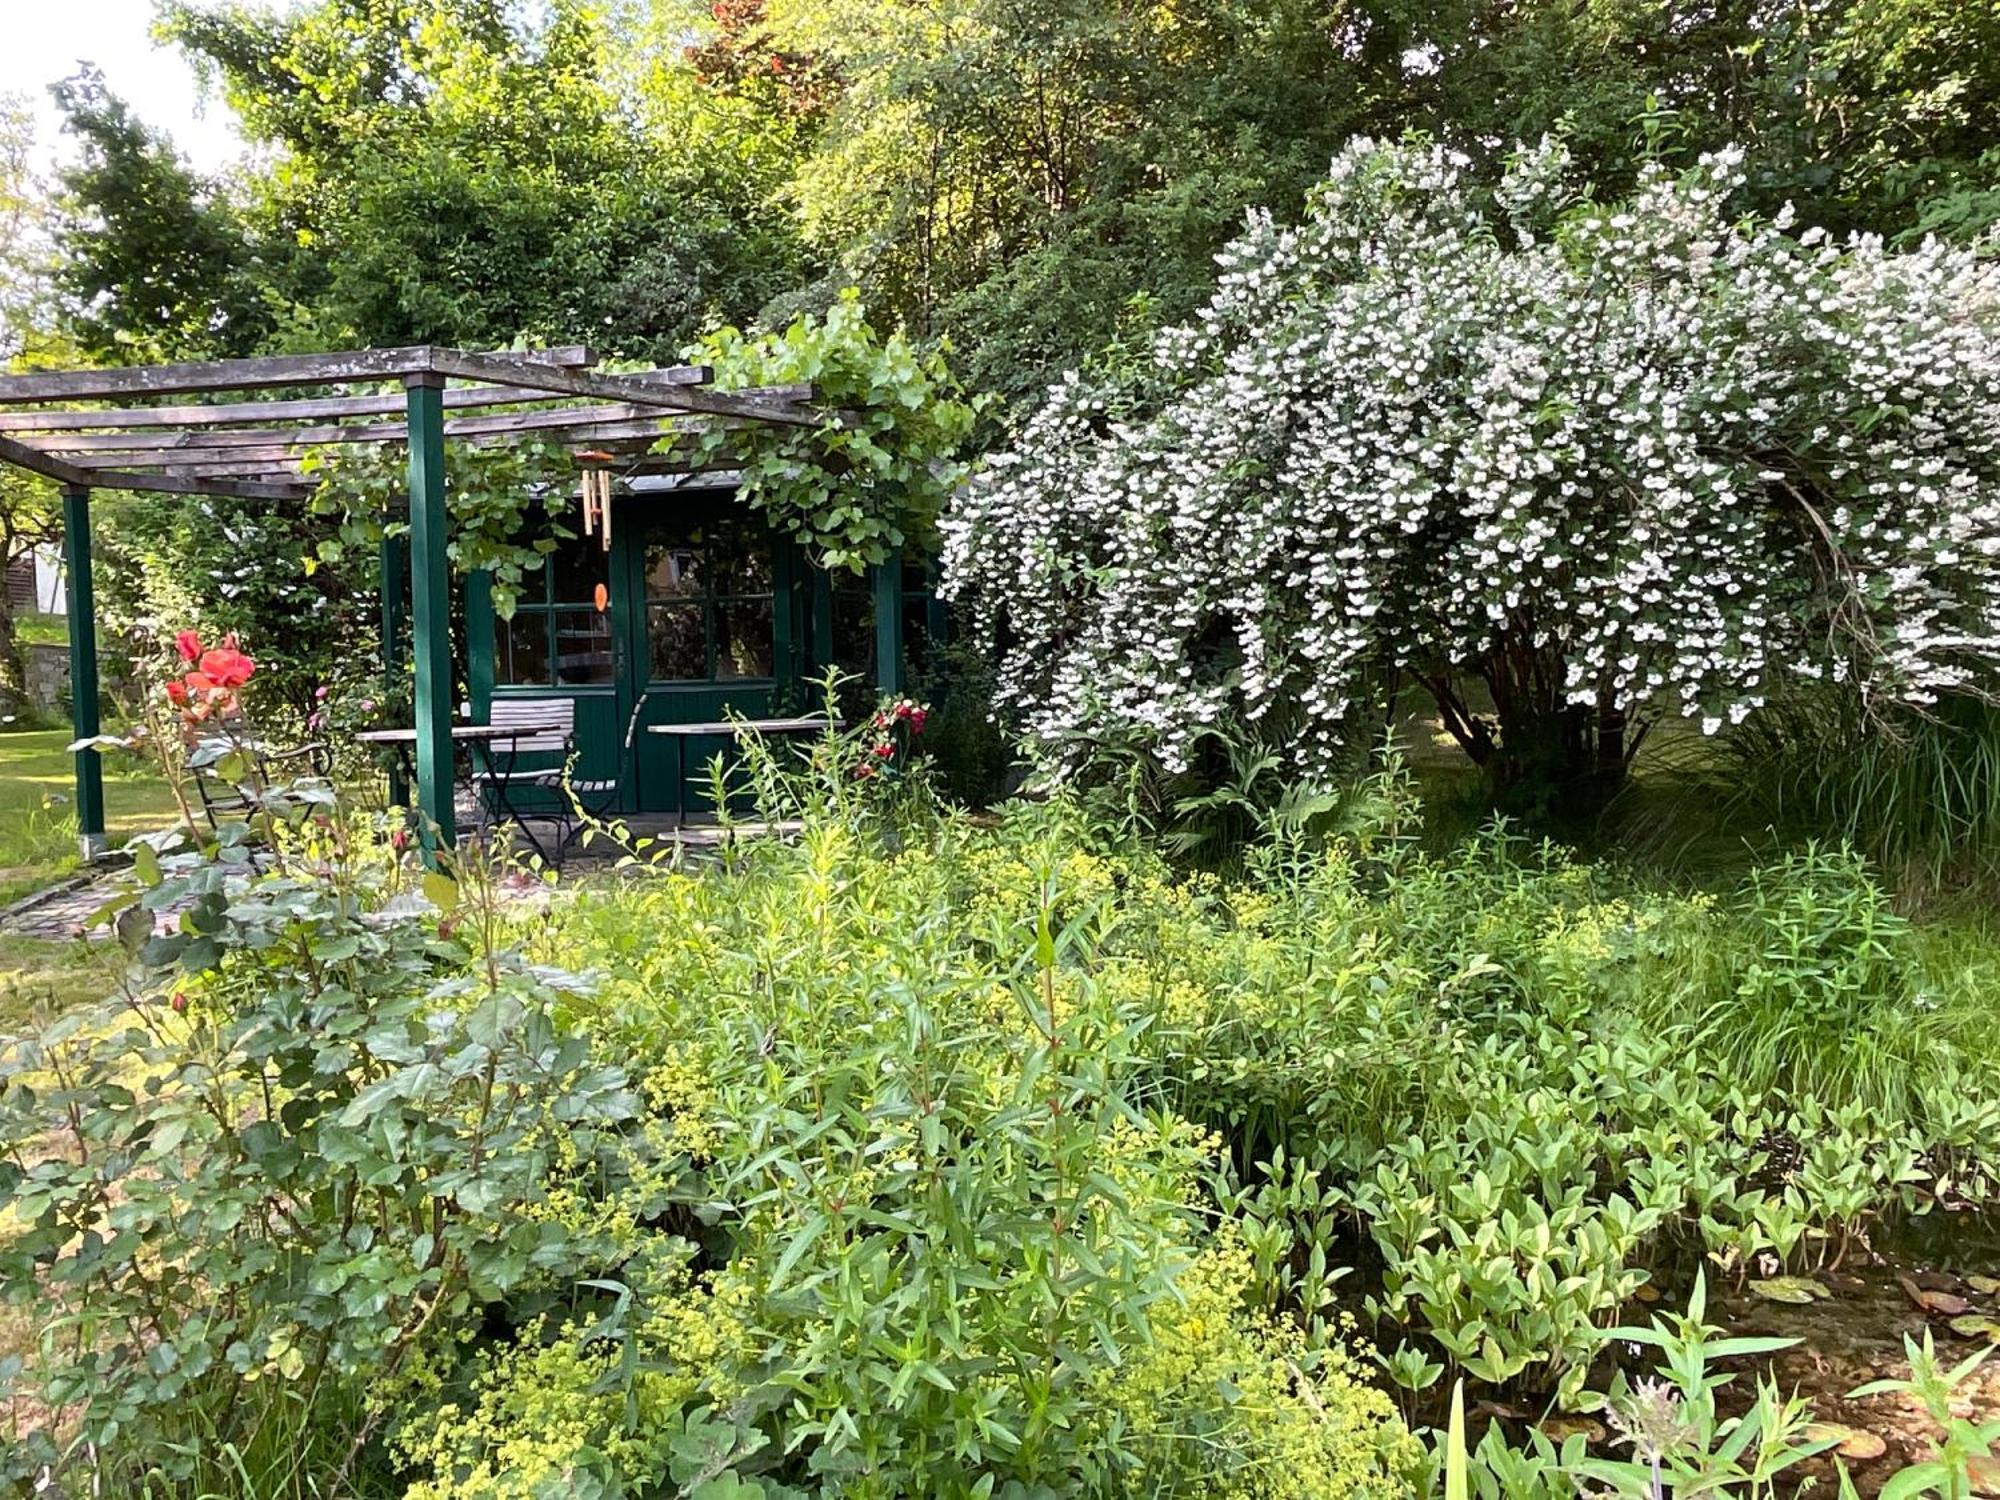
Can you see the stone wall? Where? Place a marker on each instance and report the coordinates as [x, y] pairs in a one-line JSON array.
[[48, 674]]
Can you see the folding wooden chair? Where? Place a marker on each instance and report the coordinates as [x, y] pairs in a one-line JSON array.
[[544, 732]]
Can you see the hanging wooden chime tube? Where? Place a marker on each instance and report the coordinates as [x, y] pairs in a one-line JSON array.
[[596, 494]]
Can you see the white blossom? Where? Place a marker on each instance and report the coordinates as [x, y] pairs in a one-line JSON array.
[[1681, 456]]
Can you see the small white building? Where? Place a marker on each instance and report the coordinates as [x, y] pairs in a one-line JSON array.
[[50, 596]]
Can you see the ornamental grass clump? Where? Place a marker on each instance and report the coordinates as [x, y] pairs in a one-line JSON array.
[[1571, 468]]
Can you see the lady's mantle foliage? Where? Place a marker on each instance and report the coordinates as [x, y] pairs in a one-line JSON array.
[[1655, 458]]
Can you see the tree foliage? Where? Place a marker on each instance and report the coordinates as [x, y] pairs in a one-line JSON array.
[[1609, 463], [449, 171], [28, 517], [154, 260], [1005, 172]]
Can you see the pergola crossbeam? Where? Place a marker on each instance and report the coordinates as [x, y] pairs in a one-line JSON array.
[[233, 459], [76, 476], [463, 366], [270, 372], [337, 408], [206, 441]]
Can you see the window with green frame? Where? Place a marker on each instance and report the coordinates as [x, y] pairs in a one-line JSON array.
[[852, 648], [710, 590], [559, 638]]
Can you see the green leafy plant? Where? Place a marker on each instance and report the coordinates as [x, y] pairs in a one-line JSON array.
[[890, 446], [324, 1126], [509, 505], [1962, 1443]]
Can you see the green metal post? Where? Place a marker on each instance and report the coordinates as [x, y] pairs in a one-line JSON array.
[[430, 611], [887, 583], [479, 654], [822, 621], [395, 569], [83, 669]]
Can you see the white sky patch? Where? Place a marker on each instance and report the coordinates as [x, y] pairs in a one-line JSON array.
[[48, 40]]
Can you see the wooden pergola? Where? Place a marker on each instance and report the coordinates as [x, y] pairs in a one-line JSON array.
[[213, 429]]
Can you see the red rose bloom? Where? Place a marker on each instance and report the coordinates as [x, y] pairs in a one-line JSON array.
[[225, 667], [177, 694], [188, 644]]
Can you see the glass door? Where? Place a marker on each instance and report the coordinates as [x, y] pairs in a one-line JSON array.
[[712, 622]]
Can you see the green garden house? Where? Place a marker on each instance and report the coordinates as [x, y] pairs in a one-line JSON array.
[[674, 604]]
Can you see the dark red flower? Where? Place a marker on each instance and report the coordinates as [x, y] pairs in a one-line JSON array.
[[177, 693], [179, 1002]]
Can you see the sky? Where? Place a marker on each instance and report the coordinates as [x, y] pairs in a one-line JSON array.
[[43, 41]]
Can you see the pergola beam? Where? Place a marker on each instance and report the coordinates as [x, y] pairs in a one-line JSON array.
[[335, 408], [45, 464], [618, 388], [272, 372], [77, 476], [233, 460], [205, 443]]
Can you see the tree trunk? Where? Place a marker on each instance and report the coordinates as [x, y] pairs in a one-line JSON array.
[[1568, 763], [13, 670]]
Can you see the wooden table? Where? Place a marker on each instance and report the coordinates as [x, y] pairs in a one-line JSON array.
[[735, 729], [404, 742]]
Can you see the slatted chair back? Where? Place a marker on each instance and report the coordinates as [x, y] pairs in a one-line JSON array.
[[540, 724]]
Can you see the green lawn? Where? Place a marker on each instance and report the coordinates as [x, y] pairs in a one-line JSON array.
[[37, 815], [41, 630], [45, 978]]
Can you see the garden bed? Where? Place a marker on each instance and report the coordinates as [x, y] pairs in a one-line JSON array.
[[908, 1144]]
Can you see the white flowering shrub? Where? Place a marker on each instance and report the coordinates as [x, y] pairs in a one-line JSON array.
[[1572, 468]]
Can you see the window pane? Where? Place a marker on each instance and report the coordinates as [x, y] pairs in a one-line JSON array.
[[743, 638], [677, 643], [583, 646], [675, 570], [740, 556], [579, 567], [521, 648], [854, 631]]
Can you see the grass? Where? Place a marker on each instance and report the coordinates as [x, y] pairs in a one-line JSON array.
[[45, 978], [41, 630], [37, 818]]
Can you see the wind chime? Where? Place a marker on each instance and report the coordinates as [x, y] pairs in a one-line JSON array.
[[595, 463]]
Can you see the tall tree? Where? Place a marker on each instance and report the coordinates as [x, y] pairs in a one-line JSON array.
[[27, 504], [461, 171], [155, 262]]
